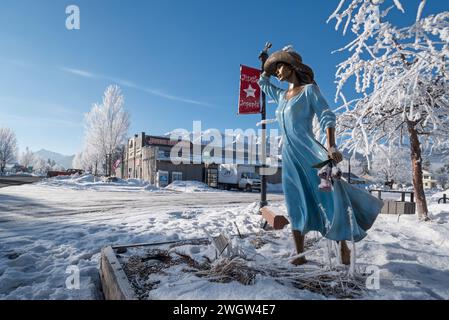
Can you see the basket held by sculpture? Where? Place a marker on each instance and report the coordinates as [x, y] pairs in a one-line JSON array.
[[328, 171]]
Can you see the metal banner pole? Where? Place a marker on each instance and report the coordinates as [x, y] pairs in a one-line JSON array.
[[263, 192]]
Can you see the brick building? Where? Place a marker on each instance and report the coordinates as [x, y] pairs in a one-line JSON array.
[[147, 157]]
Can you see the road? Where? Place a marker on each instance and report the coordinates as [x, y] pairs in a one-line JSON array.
[[49, 203], [6, 181]]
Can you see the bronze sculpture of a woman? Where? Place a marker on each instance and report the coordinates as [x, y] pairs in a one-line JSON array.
[[344, 213]]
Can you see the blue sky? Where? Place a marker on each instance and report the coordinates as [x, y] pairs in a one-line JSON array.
[[175, 61]]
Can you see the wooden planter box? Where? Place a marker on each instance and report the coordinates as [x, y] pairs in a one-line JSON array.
[[114, 281]]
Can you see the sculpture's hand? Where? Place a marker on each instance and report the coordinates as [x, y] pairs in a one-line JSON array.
[[333, 152], [335, 155], [266, 74]]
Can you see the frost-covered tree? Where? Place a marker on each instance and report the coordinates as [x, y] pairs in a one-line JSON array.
[[78, 162], [401, 78], [27, 158], [58, 167], [426, 164], [392, 163], [107, 126], [8, 147], [443, 176], [40, 166], [443, 179], [357, 166], [88, 159], [51, 163]]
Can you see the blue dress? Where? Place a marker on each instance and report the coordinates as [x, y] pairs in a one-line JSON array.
[[334, 214]]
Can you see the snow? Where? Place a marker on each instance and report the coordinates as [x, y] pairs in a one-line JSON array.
[[439, 195], [48, 227], [399, 5], [190, 186], [193, 289], [197, 186], [90, 182]]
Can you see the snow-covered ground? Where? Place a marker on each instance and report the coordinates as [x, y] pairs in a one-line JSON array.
[[48, 227], [437, 195], [90, 182], [190, 186]]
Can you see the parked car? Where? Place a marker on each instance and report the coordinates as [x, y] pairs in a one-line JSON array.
[[68, 172]]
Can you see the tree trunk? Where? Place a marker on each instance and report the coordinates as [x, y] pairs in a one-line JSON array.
[[415, 149]]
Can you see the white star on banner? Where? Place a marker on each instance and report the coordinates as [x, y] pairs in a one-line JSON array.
[[250, 92]]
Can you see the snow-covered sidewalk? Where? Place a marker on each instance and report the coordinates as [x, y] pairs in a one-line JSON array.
[[90, 182], [46, 228]]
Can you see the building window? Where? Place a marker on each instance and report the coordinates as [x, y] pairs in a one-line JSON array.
[[162, 178], [164, 154], [176, 176]]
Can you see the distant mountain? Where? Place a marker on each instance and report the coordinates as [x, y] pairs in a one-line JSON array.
[[63, 160]]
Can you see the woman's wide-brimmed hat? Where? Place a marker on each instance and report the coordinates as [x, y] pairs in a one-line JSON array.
[[288, 56]]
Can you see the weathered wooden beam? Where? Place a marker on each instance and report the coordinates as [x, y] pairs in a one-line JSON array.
[[145, 244], [114, 281], [274, 218]]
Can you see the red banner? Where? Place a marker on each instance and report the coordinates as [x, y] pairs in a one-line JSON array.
[[249, 99]]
